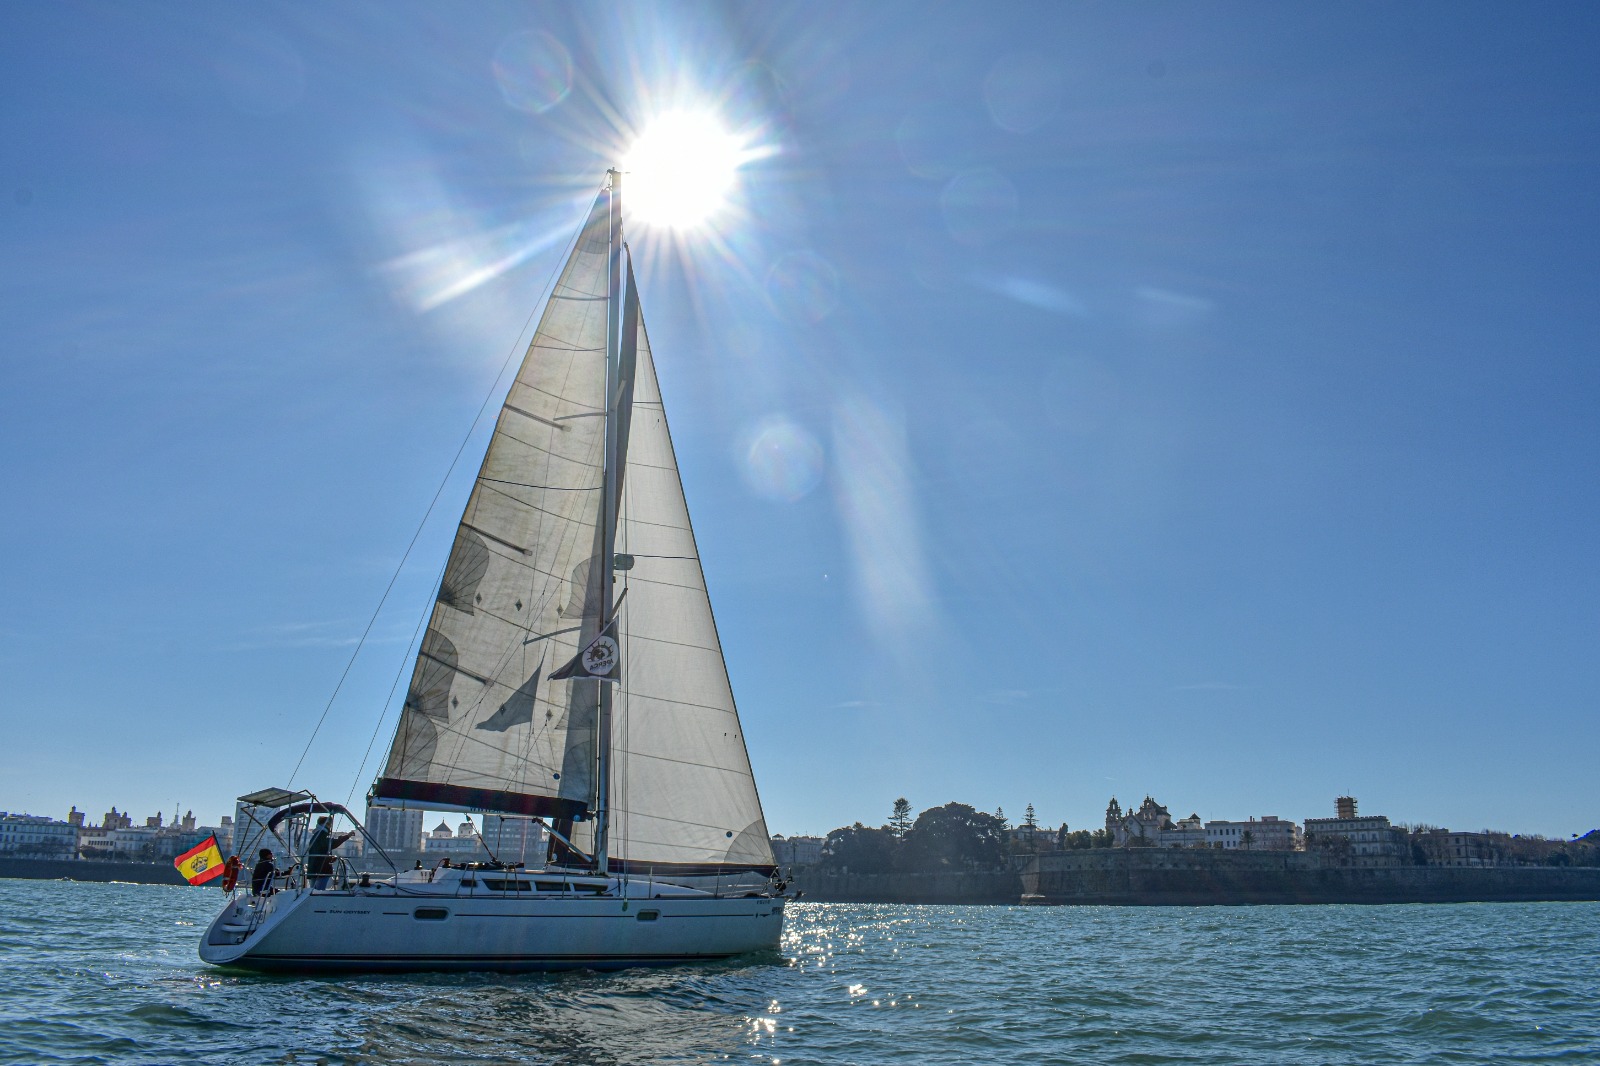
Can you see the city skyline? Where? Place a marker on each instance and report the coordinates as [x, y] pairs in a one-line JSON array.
[[1132, 401]]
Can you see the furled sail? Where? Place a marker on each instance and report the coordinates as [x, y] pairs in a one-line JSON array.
[[683, 799], [483, 727]]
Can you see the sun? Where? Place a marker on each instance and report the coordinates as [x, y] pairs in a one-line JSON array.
[[682, 169]]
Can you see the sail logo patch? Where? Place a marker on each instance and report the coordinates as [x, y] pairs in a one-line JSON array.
[[600, 658]]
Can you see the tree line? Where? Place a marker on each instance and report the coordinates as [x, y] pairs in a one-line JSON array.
[[948, 838]]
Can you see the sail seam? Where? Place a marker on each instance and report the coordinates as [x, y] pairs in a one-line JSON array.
[[691, 762], [669, 584], [541, 488], [508, 435]]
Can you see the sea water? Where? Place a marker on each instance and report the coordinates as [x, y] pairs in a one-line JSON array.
[[94, 973]]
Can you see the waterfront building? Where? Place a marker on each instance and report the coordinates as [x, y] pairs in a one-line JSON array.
[[1364, 841], [1269, 833], [395, 829], [94, 842], [456, 845], [1031, 838], [135, 843], [1151, 826], [37, 837], [796, 851], [1441, 847], [510, 838]]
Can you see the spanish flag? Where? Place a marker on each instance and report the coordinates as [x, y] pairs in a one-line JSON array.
[[201, 863]]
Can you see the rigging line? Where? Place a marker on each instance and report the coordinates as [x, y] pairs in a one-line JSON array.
[[405, 658], [493, 388]]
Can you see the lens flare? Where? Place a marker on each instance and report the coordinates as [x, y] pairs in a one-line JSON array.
[[682, 169], [782, 460], [533, 70]]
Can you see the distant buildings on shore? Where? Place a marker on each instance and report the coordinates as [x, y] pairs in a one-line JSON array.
[[116, 838], [1357, 840], [796, 851], [398, 833], [1348, 839], [1151, 826]]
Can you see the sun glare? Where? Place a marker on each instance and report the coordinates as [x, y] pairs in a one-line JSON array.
[[682, 169]]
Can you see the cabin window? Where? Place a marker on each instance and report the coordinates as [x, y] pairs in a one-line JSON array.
[[430, 914], [649, 916], [507, 886], [550, 886]]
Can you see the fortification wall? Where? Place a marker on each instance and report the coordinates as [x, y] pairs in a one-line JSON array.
[[144, 873], [1002, 886], [1152, 877]]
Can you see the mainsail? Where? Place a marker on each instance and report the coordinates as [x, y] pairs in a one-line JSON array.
[[484, 727]]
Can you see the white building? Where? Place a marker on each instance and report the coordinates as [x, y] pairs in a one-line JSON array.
[[37, 837], [136, 843], [94, 842], [463, 844], [1441, 847], [1152, 827], [796, 851], [1269, 833], [1369, 841], [395, 828]]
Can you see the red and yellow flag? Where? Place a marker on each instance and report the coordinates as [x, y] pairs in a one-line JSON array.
[[201, 863]]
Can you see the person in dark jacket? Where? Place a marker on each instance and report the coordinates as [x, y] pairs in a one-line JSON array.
[[319, 854], [261, 877]]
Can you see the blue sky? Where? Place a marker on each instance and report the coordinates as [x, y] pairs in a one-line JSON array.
[[1077, 400]]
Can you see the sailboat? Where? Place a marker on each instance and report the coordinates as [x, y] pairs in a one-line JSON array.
[[570, 672]]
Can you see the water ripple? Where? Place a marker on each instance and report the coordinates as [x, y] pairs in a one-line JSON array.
[[108, 974]]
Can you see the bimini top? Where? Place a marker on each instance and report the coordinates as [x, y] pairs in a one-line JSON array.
[[307, 808], [275, 797]]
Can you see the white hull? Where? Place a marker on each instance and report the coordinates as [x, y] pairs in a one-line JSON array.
[[425, 926]]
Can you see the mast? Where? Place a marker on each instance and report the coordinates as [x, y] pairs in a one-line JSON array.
[[608, 523]]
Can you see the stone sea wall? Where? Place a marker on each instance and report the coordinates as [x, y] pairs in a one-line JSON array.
[[144, 873], [1170, 877], [1001, 886], [1156, 877]]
